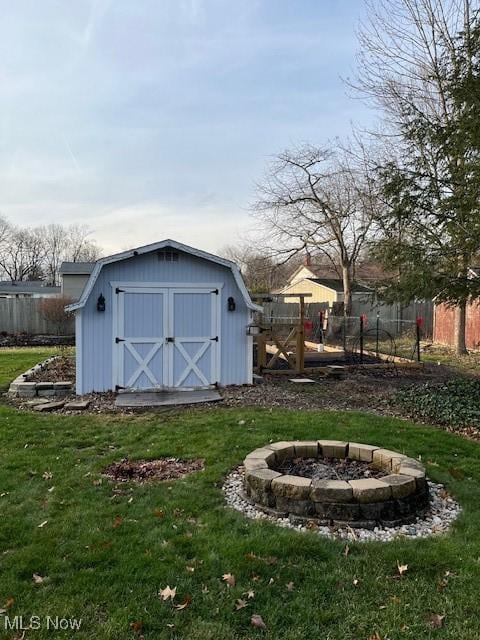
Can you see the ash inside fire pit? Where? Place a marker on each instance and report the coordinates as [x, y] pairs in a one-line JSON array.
[[330, 469], [145, 470]]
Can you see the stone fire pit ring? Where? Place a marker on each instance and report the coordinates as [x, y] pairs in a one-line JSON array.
[[396, 498]]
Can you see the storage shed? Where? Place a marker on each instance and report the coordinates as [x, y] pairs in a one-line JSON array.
[[163, 316]]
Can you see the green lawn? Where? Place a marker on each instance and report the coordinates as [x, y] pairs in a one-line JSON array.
[[16, 360], [107, 550]]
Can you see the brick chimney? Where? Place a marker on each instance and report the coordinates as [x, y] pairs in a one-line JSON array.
[[307, 261]]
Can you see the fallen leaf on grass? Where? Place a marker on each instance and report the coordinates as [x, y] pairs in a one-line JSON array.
[[38, 579], [167, 593], [250, 556], [229, 578], [290, 586], [159, 513], [137, 626], [187, 601], [47, 475], [356, 582], [205, 589], [257, 622], [402, 568], [375, 636], [346, 551], [117, 522], [240, 604], [250, 594], [436, 621], [458, 474], [257, 578], [190, 569], [42, 524], [9, 603]]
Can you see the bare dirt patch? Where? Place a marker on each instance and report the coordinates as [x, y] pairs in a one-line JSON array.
[[152, 470]]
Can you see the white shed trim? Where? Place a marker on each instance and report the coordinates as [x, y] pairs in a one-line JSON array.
[[155, 247]]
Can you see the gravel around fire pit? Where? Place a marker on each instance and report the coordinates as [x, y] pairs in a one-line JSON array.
[[152, 470], [329, 469], [438, 520]]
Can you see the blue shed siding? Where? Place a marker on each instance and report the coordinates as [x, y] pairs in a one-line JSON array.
[[95, 330]]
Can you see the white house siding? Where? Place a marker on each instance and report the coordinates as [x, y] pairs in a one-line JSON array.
[[96, 330]]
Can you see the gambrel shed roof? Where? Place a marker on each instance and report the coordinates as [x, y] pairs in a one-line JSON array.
[[156, 246]]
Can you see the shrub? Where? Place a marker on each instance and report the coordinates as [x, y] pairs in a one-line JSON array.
[[53, 310]]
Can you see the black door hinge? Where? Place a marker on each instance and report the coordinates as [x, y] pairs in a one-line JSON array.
[[215, 291], [117, 340], [117, 290], [118, 387], [215, 339]]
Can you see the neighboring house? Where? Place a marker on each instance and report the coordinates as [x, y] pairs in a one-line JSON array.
[[27, 289], [74, 277], [163, 316], [305, 279]]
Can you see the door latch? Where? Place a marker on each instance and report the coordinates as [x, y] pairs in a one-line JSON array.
[[170, 339]]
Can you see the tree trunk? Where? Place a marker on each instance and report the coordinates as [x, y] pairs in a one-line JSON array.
[[347, 290], [460, 329]]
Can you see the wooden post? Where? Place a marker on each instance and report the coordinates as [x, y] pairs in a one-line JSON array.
[[261, 351], [300, 359]]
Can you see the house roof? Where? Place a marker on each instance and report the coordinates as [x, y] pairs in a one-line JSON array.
[[125, 255], [80, 268], [26, 286], [337, 285], [366, 272]]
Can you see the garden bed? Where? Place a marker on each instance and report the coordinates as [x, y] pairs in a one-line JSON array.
[[149, 470]]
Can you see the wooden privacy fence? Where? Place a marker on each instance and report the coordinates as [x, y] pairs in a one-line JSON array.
[[22, 315]]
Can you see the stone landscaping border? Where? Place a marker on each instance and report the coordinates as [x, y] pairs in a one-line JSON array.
[[24, 387], [397, 498]]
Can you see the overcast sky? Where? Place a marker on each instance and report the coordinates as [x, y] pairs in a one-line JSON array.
[[148, 119]]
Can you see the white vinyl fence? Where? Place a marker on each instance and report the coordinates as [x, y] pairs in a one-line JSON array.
[[21, 315]]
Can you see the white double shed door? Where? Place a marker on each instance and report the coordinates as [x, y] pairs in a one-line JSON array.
[[166, 336]]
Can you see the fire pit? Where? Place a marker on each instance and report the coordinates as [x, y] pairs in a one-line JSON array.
[[336, 483]]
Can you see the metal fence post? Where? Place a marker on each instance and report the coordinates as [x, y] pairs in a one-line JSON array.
[[361, 338], [418, 325], [377, 335]]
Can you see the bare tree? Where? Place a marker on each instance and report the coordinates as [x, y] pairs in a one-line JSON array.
[[318, 200], [55, 243], [37, 253], [21, 254], [408, 49], [262, 273], [80, 246]]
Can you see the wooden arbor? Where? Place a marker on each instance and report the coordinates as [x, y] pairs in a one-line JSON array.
[[281, 338]]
